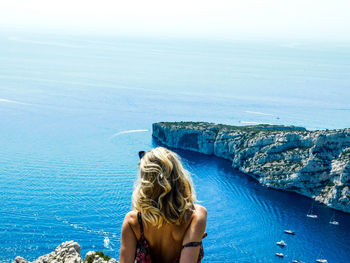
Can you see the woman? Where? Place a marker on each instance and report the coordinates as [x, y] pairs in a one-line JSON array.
[[165, 224]]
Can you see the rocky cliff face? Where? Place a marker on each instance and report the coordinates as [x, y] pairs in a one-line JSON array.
[[313, 163], [69, 252]]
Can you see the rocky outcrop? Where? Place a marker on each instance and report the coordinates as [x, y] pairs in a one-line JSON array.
[[313, 163], [69, 252]]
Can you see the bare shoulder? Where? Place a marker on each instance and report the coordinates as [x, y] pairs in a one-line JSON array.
[[131, 219], [128, 238], [200, 213], [197, 226]]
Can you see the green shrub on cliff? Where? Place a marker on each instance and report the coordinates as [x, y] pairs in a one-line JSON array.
[[90, 258], [331, 184]]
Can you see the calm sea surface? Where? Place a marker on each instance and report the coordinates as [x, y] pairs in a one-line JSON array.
[[74, 112]]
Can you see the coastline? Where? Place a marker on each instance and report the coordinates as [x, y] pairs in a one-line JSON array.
[[315, 164]]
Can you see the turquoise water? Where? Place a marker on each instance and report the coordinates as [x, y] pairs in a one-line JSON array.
[[75, 111]]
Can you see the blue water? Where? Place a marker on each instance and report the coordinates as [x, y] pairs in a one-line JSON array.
[[73, 115]]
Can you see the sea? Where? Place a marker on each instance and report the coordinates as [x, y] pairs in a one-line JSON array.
[[76, 109]]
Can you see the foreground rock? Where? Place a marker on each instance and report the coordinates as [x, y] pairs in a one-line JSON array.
[[69, 252], [313, 163]]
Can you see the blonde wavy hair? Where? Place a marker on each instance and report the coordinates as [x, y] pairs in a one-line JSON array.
[[163, 192]]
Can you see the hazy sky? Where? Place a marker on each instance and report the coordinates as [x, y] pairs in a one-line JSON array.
[[286, 19]]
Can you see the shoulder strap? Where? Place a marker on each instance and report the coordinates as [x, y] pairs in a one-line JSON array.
[[140, 222], [194, 244]]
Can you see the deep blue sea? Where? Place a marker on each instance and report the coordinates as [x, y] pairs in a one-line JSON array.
[[75, 111]]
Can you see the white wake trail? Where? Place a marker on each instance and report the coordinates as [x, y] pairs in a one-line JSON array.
[[13, 101], [258, 113], [128, 131]]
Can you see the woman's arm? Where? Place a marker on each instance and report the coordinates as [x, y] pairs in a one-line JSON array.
[[128, 240], [194, 234]]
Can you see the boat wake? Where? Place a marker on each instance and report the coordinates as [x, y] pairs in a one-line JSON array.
[[258, 113], [106, 241], [128, 131], [13, 101]]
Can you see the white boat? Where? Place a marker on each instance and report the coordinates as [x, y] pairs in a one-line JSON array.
[[321, 260], [310, 212], [312, 216], [281, 243], [290, 232], [297, 261], [332, 221], [281, 255]]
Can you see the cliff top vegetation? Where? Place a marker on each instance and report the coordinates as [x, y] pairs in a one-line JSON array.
[[214, 126]]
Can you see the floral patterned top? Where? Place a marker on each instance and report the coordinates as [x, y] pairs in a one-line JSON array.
[[143, 250]]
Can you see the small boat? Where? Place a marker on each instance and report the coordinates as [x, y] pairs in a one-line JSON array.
[[281, 255], [290, 232], [297, 261], [310, 212], [312, 216], [332, 221], [281, 243], [321, 260]]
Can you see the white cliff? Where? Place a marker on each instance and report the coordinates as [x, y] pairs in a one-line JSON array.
[[69, 252], [313, 163]]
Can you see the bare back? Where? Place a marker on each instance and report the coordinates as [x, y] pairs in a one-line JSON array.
[[166, 242]]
